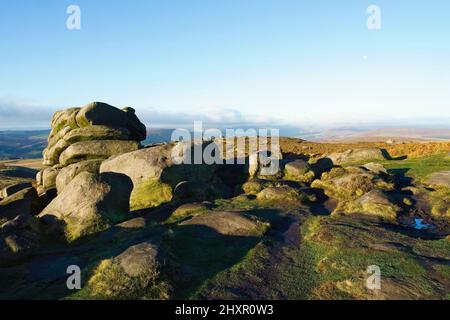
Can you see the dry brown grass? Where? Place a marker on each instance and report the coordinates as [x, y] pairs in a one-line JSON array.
[[411, 150], [295, 147], [27, 163]]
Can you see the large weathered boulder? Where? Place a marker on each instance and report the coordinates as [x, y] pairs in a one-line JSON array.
[[103, 149], [298, 170], [25, 201], [91, 203], [98, 113], [95, 121], [157, 170], [49, 177], [138, 259], [66, 175], [141, 165], [134, 274], [373, 203], [96, 132], [350, 183], [357, 155]]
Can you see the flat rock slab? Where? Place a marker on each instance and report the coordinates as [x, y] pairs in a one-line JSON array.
[[439, 178], [10, 190], [102, 149], [225, 223], [355, 155]]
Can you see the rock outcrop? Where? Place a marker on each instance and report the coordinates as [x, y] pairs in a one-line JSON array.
[[359, 190], [93, 132], [159, 170], [71, 196], [357, 155], [375, 203]]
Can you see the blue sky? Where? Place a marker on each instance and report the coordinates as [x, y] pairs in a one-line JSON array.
[[228, 61]]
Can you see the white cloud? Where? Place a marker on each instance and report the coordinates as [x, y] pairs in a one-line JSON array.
[[20, 115], [15, 114]]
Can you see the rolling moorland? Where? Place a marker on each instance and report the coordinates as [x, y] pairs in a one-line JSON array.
[[141, 226], [29, 144]]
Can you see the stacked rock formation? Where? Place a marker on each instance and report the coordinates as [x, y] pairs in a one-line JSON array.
[[81, 138]]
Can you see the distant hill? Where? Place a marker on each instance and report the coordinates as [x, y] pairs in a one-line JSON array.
[[29, 144], [22, 144], [380, 134], [157, 136]]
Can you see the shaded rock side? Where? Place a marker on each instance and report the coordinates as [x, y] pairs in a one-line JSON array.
[[25, 201]]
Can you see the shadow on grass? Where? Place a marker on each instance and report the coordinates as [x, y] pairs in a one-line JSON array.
[[196, 253], [19, 172], [400, 175], [411, 232]]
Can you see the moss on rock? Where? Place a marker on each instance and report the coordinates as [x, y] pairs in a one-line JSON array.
[[298, 170], [150, 193], [440, 202], [342, 184], [187, 210], [281, 193], [373, 203]]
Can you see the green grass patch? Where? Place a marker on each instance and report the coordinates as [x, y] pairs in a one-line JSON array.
[[418, 168], [345, 248], [110, 282]]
